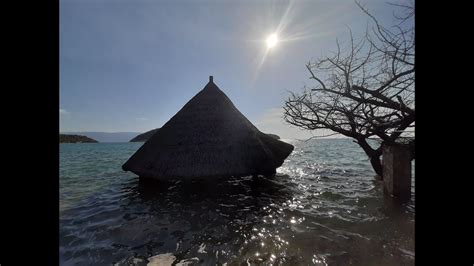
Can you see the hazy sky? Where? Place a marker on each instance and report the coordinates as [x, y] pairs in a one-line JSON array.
[[130, 65]]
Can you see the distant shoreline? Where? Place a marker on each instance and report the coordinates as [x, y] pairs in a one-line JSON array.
[[65, 138]]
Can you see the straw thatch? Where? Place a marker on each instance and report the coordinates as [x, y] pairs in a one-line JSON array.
[[208, 137]]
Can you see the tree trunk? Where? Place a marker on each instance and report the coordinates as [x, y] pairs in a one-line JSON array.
[[374, 156], [377, 165]]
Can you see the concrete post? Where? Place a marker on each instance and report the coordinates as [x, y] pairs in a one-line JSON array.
[[397, 171]]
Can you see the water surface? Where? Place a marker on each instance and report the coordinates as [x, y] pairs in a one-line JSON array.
[[324, 207]]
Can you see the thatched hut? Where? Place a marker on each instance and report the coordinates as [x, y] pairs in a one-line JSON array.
[[208, 137]]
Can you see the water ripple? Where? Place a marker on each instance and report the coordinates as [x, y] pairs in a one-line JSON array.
[[322, 208]]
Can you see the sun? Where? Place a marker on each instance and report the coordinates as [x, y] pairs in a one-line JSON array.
[[272, 40]]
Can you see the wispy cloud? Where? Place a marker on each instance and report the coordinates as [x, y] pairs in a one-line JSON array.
[[142, 118], [63, 112]]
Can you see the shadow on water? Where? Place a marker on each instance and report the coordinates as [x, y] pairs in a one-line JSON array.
[[217, 190], [232, 220], [235, 220], [210, 220]]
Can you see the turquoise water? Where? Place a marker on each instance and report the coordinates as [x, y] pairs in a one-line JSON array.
[[324, 207]]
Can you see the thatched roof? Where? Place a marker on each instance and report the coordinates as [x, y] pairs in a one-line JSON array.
[[145, 136], [208, 137]]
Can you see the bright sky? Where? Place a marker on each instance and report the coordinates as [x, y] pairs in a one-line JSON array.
[[130, 65]]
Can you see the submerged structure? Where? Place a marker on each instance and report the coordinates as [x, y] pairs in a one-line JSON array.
[[208, 137]]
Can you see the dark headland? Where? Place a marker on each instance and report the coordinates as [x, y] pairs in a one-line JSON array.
[[64, 138], [144, 136]]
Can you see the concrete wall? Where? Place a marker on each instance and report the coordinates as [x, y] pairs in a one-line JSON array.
[[397, 171]]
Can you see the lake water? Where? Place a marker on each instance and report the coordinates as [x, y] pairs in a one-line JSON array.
[[324, 207]]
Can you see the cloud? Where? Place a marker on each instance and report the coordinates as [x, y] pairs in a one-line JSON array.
[[63, 112], [142, 119], [272, 122]]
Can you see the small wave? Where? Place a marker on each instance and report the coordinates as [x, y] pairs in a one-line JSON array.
[[323, 201]]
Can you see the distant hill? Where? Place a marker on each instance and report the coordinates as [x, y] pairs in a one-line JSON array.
[[144, 136], [64, 138], [273, 136], [107, 136]]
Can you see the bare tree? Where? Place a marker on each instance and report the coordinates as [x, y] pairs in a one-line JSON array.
[[365, 90]]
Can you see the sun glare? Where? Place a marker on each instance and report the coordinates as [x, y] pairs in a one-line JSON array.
[[272, 40]]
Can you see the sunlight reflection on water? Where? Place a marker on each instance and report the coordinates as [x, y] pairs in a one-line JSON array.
[[322, 208]]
